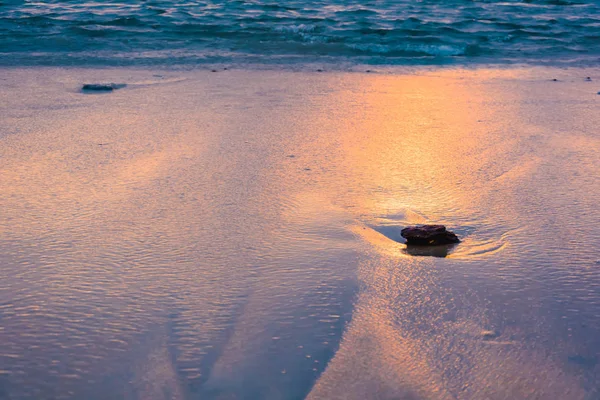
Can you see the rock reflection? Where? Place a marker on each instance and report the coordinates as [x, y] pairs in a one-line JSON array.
[[429, 251]]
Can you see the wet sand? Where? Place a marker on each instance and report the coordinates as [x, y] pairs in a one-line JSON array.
[[234, 235]]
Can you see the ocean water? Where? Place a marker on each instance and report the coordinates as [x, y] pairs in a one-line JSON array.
[[336, 32]]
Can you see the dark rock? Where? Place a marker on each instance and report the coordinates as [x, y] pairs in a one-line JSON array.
[[102, 87], [98, 87], [428, 235], [588, 79]]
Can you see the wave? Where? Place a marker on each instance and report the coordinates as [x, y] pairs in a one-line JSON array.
[[386, 32]]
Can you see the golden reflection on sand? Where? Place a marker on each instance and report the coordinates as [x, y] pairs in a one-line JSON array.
[[417, 147], [410, 140]]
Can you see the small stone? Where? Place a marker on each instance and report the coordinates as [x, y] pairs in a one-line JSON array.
[[213, 70], [102, 87], [319, 70], [98, 87], [554, 80], [428, 235], [489, 334], [588, 79]]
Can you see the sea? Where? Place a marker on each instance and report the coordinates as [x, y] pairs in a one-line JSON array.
[[292, 32]]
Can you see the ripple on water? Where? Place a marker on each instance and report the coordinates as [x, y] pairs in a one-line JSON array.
[[476, 241]]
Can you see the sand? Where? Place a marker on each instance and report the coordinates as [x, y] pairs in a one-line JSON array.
[[234, 234]]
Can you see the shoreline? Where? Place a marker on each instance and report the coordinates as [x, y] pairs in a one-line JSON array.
[[484, 71], [323, 67]]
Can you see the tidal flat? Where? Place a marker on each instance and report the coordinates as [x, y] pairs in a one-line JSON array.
[[236, 235]]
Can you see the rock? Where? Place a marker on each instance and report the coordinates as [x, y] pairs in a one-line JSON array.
[[98, 87], [428, 235], [487, 335], [102, 87]]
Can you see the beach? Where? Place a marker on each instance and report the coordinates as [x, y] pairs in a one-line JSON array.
[[235, 234]]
